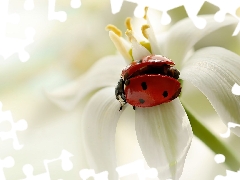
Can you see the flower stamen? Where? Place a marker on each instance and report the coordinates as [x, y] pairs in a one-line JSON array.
[[114, 29], [128, 23], [144, 32], [145, 14], [138, 51], [130, 36]]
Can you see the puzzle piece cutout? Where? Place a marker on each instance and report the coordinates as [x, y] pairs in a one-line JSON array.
[[230, 125], [20, 125], [230, 7], [53, 15], [236, 89], [8, 45], [219, 158], [225, 8], [75, 3], [230, 175], [29, 5], [66, 164], [192, 8], [7, 162], [60, 15], [137, 168], [28, 171], [87, 173]]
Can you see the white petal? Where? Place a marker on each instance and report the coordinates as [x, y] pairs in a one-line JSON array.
[[138, 51], [214, 70], [122, 46], [153, 41], [164, 134], [105, 72], [184, 35], [98, 128], [153, 17]]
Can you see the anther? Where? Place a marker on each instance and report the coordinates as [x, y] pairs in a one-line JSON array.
[[128, 23], [145, 14], [144, 32], [114, 29]]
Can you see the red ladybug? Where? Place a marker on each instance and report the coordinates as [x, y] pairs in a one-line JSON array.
[[148, 82]]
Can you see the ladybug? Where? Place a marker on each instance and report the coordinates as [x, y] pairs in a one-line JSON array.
[[148, 82]]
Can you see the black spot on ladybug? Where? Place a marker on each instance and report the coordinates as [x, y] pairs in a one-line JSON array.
[[144, 85], [127, 82], [141, 101], [165, 94]]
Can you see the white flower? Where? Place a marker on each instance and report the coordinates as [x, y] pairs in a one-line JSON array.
[[164, 132]]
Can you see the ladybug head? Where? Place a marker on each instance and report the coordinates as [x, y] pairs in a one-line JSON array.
[[173, 72]]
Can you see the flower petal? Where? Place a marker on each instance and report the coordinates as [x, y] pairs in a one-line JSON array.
[[138, 51], [98, 128], [164, 134], [105, 72], [153, 41], [122, 46], [214, 70], [183, 36], [153, 17]]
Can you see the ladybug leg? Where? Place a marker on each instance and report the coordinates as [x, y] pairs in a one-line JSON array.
[[119, 93], [122, 103], [134, 107]]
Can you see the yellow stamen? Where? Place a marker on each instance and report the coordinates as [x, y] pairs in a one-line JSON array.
[[144, 32], [114, 29], [128, 23], [130, 35], [145, 14]]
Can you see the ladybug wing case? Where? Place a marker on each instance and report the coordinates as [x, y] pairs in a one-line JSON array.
[[151, 90]]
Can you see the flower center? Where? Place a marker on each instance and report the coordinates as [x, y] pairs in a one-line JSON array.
[[119, 41]]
